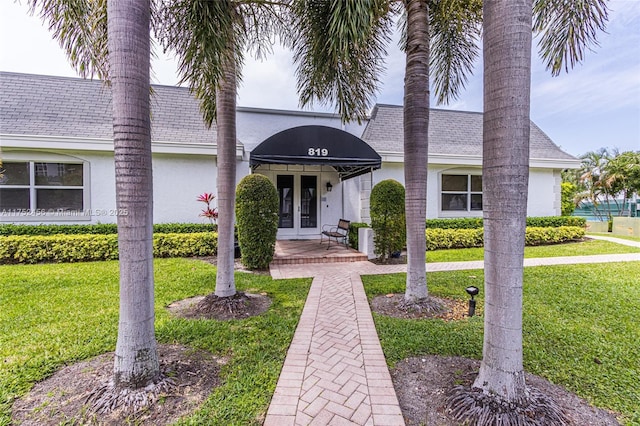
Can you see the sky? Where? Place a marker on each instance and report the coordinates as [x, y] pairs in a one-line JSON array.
[[596, 105]]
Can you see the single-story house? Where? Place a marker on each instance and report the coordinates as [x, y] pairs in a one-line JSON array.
[[57, 152]]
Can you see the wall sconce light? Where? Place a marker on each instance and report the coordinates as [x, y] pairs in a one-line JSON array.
[[472, 291], [329, 187]]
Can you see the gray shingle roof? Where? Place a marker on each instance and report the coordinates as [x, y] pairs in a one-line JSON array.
[[450, 133], [73, 107]]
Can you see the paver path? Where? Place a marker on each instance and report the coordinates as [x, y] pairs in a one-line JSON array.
[[335, 372]]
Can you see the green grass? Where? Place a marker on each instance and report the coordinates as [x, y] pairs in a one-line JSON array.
[[56, 314], [573, 314], [622, 237], [584, 248]]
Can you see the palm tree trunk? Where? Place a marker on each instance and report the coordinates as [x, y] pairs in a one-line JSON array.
[[505, 175], [226, 139], [416, 127], [136, 360]]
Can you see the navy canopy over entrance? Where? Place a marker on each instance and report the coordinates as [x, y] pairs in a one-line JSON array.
[[318, 145]]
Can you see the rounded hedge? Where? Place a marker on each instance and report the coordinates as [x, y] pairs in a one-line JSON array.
[[257, 220], [388, 217]]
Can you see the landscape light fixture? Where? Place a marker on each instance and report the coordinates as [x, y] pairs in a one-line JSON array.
[[472, 291], [329, 187]]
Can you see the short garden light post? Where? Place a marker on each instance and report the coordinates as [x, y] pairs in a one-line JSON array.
[[472, 291]]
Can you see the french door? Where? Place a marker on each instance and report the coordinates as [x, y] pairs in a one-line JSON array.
[[299, 205]]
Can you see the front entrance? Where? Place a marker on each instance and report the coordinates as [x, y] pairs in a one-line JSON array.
[[299, 204]]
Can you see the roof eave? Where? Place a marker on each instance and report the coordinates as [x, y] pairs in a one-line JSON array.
[[101, 144]]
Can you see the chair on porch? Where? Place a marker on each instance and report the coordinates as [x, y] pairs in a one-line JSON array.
[[339, 232]]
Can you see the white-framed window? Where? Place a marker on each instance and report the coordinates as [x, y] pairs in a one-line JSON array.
[[32, 190], [460, 193]]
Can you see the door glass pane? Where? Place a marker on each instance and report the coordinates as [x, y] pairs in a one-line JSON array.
[[59, 199], [14, 199], [454, 182], [476, 183], [60, 174], [476, 201], [309, 202], [285, 192], [14, 174], [455, 202]]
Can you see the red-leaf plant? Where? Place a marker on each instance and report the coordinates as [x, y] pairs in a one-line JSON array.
[[210, 212]]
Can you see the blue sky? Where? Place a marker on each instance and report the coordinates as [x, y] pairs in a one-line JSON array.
[[597, 104]]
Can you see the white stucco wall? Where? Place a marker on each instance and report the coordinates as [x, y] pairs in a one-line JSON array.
[[179, 179], [544, 187], [177, 182]]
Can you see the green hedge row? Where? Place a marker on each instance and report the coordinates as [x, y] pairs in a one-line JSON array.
[[100, 228], [474, 223], [87, 247], [465, 238]]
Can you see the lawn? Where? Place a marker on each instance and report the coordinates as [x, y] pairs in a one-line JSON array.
[[580, 328], [56, 314], [583, 248]]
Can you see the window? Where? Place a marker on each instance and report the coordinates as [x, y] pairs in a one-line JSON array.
[[461, 193], [30, 188]]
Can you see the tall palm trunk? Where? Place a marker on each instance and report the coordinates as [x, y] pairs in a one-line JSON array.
[[136, 360], [505, 176], [416, 127], [226, 138]]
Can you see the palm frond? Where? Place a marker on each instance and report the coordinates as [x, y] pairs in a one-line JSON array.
[[455, 27], [80, 26], [205, 35], [568, 28], [339, 50]]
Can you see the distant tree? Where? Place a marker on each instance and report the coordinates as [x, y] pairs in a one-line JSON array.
[[567, 198], [606, 181]]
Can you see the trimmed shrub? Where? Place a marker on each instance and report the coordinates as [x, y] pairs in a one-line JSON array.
[[353, 233], [438, 239], [185, 244], [388, 217], [463, 223], [257, 220], [536, 236], [556, 221], [92, 247], [476, 222], [100, 228]]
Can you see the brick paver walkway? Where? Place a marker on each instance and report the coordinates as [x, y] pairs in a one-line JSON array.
[[335, 372]]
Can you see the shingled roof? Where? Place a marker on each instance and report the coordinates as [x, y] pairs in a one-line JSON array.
[[41, 105], [450, 133]]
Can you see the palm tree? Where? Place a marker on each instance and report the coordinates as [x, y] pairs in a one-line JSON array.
[[503, 396], [210, 38], [136, 358], [339, 48], [126, 67]]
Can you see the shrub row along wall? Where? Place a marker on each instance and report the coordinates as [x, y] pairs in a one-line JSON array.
[[86, 247], [100, 228], [465, 238], [474, 223]]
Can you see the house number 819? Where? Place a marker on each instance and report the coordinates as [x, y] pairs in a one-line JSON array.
[[318, 152]]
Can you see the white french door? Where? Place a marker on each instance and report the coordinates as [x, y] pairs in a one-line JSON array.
[[299, 211]]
